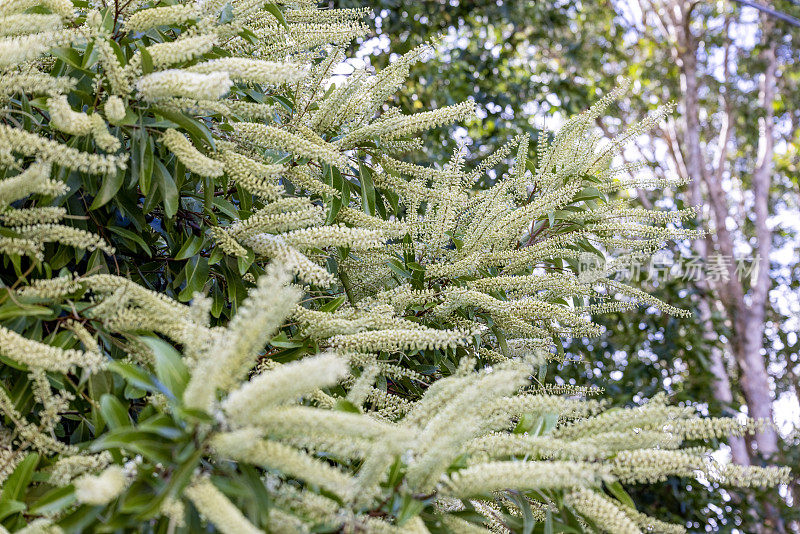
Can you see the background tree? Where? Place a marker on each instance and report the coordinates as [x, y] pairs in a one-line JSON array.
[[736, 111], [519, 61], [730, 67]]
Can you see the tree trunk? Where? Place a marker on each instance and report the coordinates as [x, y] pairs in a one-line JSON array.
[[698, 173], [745, 315], [755, 379], [722, 388]]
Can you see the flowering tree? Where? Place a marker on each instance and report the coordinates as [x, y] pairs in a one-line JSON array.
[[228, 299]]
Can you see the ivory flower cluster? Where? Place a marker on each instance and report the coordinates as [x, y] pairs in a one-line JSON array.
[[186, 152], [102, 488], [176, 82]]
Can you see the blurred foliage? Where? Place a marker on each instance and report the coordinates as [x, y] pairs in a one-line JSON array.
[[517, 60]]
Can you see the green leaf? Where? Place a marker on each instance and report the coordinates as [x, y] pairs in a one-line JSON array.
[[367, 189], [54, 501], [132, 392], [414, 266], [11, 507], [393, 199], [190, 247], [169, 366], [548, 522], [178, 480], [134, 440], [333, 177], [525, 423], [162, 425], [98, 385], [133, 236], [527, 513], [109, 19], [15, 485], [226, 14], [344, 405], [147, 162], [283, 342], [333, 305], [345, 189], [193, 415], [114, 413], [196, 273], [277, 13], [11, 309], [71, 57], [118, 52], [335, 207], [549, 422], [136, 501], [196, 130], [81, 519], [89, 56], [587, 246], [151, 200], [396, 473], [285, 102], [226, 207], [258, 490], [249, 36], [135, 376], [409, 507], [616, 489], [111, 184], [244, 263], [167, 188], [147, 60], [589, 193], [559, 346], [399, 269]]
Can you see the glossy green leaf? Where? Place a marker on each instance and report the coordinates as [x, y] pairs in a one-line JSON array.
[[147, 61], [16, 483], [111, 184], [275, 11], [169, 366], [54, 501], [196, 274], [190, 247], [114, 413], [616, 489], [147, 161], [135, 376], [133, 236], [167, 188], [10, 507], [197, 130], [367, 189]]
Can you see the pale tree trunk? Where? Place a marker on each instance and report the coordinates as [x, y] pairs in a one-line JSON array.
[[722, 384], [755, 379], [745, 313], [696, 168], [747, 319], [689, 163], [678, 22]]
